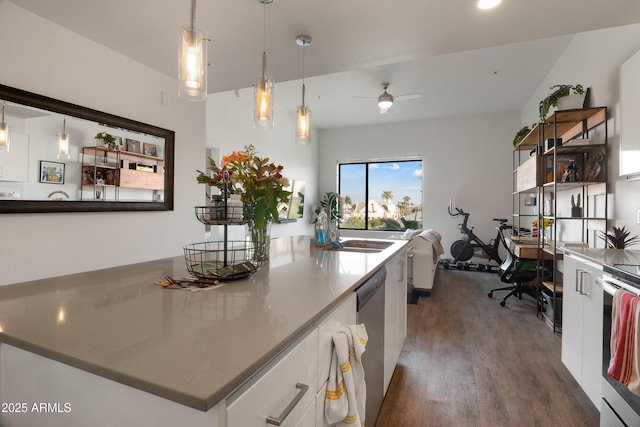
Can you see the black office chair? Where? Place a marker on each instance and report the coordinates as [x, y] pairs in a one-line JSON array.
[[518, 272]]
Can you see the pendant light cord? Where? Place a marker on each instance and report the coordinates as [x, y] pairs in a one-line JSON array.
[[264, 40], [193, 13]]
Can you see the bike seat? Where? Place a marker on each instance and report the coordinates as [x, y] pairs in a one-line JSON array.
[[500, 220]]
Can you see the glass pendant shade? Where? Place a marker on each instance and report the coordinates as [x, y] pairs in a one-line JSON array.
[[263, 108], [5, 132], [192, 68], [5, 136], [303, 137], [63, 146], [63, 142]]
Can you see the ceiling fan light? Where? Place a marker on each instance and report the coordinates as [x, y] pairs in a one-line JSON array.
[[385, 101]]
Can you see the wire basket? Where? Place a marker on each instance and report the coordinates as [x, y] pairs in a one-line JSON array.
[[217, 214], [219, 261]]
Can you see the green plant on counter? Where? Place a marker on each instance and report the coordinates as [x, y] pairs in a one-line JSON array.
[[576, 202], [108, 139], [552, 100], [619, 238]]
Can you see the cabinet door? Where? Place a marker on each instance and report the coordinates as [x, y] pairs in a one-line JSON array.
[[572, 318], [276, 388], [395, 312], [345, 314], [592, 334], [582, 325]]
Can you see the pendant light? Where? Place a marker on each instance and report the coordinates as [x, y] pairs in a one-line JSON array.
[[63, 141], [263, 103], [303, 137], [192, 62], [5, 131]]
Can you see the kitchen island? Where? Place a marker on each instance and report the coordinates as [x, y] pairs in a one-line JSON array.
[[193, 349]]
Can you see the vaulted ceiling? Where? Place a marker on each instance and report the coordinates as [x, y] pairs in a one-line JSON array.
[[459, 58]]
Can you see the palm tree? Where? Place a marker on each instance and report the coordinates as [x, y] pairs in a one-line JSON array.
[[347, 202], [387, 196], [406, 202]]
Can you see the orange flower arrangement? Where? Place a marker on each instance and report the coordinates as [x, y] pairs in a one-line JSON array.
[[259, 181]]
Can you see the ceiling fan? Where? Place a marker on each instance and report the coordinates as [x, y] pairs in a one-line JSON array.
[[386, 100]]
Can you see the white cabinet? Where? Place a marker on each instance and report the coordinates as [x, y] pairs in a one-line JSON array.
[[395, 312], [582, 324], [345, 314], [277, 388], [285, 390]]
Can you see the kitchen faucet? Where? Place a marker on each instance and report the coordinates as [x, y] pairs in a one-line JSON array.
[[334, 232]]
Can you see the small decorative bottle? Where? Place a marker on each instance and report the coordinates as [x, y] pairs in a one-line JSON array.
[[321, 228]]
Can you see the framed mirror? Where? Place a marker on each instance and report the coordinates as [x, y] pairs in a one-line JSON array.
[[55, 163]]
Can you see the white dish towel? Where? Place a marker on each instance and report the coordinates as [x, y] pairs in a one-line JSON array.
[[346, 392]]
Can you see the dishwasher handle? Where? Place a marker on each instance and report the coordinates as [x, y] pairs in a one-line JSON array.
[[370, 286]]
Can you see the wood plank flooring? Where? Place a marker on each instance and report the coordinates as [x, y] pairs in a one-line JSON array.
[[467, 361]]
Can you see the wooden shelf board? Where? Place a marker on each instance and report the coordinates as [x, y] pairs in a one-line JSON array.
[[549, 285]]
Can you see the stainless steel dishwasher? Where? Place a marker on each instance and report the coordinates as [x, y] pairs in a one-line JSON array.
[[371, 312]]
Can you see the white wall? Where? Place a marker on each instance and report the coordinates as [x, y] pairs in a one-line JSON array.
[[230, 128], [466, 158], [41, 57], [593, 59]]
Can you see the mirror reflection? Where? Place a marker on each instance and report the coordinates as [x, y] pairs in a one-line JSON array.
[[61, 158]]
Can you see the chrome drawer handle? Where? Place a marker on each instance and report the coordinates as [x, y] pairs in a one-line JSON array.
[[277, 421]]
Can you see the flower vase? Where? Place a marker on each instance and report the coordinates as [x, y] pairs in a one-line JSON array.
[[259, 234]]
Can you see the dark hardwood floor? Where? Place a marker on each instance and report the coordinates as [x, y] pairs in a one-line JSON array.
[[467, 361]]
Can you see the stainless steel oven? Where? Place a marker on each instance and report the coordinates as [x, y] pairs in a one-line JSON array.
[[619, 406]]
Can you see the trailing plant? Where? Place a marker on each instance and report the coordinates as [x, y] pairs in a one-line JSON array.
[[108, 139], [520, 135], [552, 99], [618, 238], [576, 203]]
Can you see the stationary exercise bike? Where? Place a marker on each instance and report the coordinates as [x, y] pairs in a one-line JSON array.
[[465, 248]]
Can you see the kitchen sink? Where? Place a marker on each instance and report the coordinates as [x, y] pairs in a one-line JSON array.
[[362, 246]]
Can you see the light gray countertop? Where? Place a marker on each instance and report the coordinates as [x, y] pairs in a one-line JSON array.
[[191, 347], [607, 256]]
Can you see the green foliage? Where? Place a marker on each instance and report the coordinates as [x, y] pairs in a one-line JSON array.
[[552, 100], [618, 238], [520, 135], [109, 140], [576, 202]]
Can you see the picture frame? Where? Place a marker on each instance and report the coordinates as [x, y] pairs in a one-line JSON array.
[[133, 146], [51, 172], [564, 165], [149, 149]]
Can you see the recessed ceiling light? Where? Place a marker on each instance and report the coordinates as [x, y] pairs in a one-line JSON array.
[[488, 4]]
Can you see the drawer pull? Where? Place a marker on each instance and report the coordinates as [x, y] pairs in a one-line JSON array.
[[277, 421]]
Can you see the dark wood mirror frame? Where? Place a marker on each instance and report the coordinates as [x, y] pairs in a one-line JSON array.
[[47, 206]]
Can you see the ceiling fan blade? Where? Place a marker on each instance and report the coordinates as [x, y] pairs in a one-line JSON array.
[[408, 96], [363, 97]]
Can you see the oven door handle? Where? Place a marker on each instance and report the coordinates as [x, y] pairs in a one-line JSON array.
[[607, 286]]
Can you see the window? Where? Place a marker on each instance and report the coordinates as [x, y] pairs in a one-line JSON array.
[[381, 195]]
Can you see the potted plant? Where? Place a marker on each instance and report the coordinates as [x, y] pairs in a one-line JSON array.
[[577, 93], [618, 238], [108, 140], [576, 206]]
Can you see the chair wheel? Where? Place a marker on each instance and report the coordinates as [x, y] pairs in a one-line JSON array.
[[502, 303], [490, 295]]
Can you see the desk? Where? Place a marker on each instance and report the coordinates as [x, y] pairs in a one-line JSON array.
[[528, 248]]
